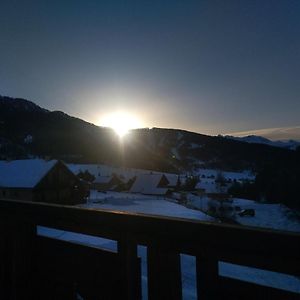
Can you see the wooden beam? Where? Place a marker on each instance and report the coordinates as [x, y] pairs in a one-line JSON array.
[[242, 290], [130, 268], [17, 245], [164, 273], [207, 277], [5, 261]]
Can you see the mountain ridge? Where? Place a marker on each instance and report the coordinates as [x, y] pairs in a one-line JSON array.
[[288, 144], [27, 130]]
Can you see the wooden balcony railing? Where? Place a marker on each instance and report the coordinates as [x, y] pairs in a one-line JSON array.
[[36, 267]]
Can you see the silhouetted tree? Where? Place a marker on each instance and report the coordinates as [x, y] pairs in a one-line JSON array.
[[86, 176], [190, 183], [246, 190]]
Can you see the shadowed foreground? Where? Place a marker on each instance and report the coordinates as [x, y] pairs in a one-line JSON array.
[[35, 267]]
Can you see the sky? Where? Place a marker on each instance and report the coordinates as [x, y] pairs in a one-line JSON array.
[[214, 67]]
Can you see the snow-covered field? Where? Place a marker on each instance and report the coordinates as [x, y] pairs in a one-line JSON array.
[[142, 204], [273, 216], [160, 206]]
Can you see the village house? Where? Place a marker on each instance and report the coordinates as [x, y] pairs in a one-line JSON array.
[[104, 177], [41, 181], [111, 178], [150, 184], [105, 183]]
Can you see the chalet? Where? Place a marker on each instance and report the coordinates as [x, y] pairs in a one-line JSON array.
[[104, 176], [150, 184], [118, 178], [105, 183], [40, 181]]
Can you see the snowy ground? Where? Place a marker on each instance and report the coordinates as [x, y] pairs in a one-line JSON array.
[[155, 205], [147, 204], [198, 202], [274, 216]]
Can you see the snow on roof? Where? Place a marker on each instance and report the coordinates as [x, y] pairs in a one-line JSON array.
[[25, 173], [103, 179], [148, 184], [94, 169], [172, 178], [99, 170]]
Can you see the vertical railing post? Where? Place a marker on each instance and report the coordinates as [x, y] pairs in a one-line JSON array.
[[23, 256], [207, 273], [5, 253], [164, 273], [130, 268], [17, 256]]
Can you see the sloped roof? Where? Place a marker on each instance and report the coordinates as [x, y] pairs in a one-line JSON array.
[[148, 184], [25, 173], [102, 173], [124, 174], [103, 179], [91, 168], [172, 178]]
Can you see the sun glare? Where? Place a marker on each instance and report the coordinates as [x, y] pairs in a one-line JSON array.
[[120, 122]]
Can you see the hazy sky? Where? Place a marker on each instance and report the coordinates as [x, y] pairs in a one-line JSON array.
[[206, 66]]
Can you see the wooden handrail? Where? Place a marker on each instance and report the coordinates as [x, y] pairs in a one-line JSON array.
[[167, 237]]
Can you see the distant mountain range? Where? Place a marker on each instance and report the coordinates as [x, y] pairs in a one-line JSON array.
[[27, 130], [290, 144]]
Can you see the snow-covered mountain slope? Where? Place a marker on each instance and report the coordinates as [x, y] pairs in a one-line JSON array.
[[254, 139]]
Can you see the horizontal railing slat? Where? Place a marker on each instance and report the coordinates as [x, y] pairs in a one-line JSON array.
[[277, 251], [242, 290], [165, 238]]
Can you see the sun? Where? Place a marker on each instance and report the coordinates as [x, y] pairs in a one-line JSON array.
[[120, 122]]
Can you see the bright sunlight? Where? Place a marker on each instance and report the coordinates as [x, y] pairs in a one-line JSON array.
[[120, 122]]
